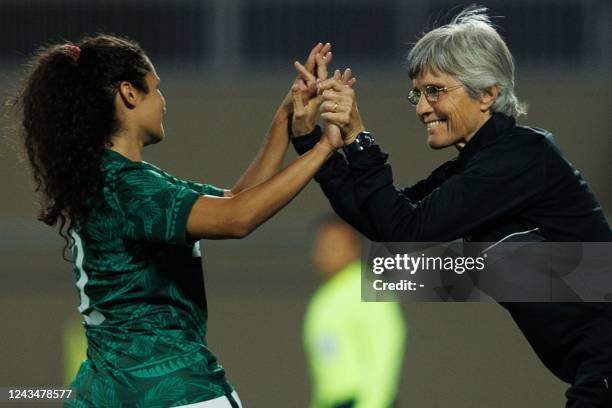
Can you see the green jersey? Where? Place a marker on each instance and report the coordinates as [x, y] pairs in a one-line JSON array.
[[142, 293]]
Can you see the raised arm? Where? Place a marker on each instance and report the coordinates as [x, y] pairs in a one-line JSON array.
[[486, 191], [449, 204], [264, 189], [334, 176], [269, 159], [236, 216]]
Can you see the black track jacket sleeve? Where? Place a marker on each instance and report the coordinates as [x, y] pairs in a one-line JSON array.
[[496, 182], [337, 184], [424, 187]]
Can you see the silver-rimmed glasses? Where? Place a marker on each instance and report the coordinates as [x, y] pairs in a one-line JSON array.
[[432, 93]]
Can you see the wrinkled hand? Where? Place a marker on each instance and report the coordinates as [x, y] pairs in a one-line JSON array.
[[339, 106], [331, 132], [304, 98]]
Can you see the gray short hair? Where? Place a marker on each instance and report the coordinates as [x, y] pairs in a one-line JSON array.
[[470, 49]]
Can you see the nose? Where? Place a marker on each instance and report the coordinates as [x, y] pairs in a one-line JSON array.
[[423, 107]]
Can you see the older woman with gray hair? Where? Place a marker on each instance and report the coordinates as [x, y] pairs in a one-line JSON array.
[[506, 180]]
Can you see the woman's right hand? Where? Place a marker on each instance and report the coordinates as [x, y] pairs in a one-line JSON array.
[[339, 107], [331, 133]]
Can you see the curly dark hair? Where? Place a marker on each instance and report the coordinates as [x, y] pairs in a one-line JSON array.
[[68, 118]]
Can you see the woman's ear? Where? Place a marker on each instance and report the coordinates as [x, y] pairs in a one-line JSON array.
[[128, 94], [488, 97]]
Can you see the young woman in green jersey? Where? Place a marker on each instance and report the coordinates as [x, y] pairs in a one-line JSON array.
[[88, 111]]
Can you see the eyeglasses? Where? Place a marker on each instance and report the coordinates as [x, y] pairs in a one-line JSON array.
[[432, 93]]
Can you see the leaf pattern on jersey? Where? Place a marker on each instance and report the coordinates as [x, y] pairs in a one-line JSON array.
[[141, 310], [120, 261], [143, 279], [82, 374], [103, 228], [170, 215], [143, 344], [145, 183], [202, 392], [151, 213], [111, 354], [174, 293], [208, 389], [76, 403], [103, 393], [165, 393], [129, 228], [169, 364], [141, 347], [143, 204]]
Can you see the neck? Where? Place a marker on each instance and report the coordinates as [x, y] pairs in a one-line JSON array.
[[460, 145], [128, 145], [330, 274]]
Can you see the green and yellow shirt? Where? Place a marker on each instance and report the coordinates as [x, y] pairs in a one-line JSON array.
[[355, 349]]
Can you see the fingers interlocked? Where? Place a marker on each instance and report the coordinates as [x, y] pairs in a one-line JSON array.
[[312, 91], [338, 98]]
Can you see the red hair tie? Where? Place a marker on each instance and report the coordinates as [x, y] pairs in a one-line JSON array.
[[74, 49]]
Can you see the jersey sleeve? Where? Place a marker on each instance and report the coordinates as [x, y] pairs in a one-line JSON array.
[[155, 208], [205, 189]]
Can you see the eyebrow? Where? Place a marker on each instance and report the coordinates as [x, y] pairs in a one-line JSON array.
[[430, 84]]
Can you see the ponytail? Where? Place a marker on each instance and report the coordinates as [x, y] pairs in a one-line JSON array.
[[68, 119]]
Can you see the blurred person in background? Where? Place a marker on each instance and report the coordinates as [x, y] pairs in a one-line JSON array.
[[508, 182], [355, 349], [74, 349], [88, 110]]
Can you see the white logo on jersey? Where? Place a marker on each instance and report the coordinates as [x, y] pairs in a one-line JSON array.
[[92, 317]]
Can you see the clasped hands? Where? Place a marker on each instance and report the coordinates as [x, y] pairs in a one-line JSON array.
[[333, 98]]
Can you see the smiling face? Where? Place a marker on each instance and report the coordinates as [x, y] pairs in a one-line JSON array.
[[455, 117]]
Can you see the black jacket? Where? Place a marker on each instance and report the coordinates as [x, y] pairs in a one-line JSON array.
[[507, 178]]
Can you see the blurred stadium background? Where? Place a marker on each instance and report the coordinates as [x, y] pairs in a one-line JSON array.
[[225, 65]]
